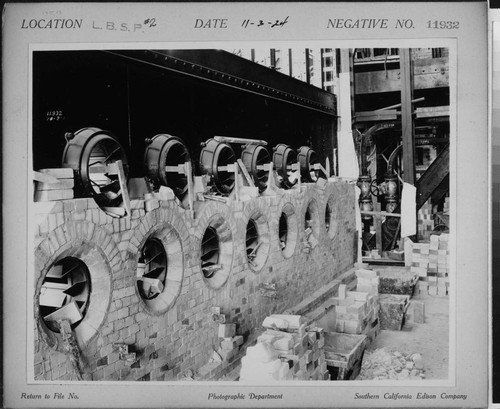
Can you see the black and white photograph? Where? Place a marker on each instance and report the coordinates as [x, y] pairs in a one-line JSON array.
[[273, 219], [195, 214]]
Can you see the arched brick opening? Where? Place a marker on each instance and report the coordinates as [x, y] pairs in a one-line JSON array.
[[96, 250], [213, 244], [287, 229], [256, 218]]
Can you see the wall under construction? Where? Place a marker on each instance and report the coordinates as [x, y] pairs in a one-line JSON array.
[[177, 331]]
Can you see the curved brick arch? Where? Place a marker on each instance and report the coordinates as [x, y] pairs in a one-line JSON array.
[[287, 206], [95, 247], [167, 225], [259, 211], [331, 212], [218, 216], [310, 203]]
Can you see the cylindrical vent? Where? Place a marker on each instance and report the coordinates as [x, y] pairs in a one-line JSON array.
[[252, 240], [65, 293], [210, 252], [91, 153], [162, 158], [308, 219], [255, 157], [283, 158], [328, 216], [283, 230], [214, 159], [153, 269], [307, 158]]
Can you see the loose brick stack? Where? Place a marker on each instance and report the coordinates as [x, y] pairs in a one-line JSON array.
[[430, 262], [420, 259], [54, 184], [425, 221], [229, 342], [286, 351], [357, 312]]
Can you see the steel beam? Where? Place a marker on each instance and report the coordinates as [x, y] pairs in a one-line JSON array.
[[223, 68], [434, 180]]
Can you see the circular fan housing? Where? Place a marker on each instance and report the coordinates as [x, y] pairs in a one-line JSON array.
[[307, 159], [254, 157], [210, 252], [214, 158], [162, 155], [283, 159], [65, 293], [91, 152], [153, 265]]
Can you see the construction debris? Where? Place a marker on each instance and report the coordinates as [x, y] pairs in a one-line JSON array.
[[383, 363], [292, 353]]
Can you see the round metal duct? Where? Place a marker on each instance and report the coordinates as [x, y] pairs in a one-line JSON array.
[[283, 230], [90, 152], [65, 293], [328, 216], [210, 252], [254, 158], [214, 158], [283, 158], [307, 158], [252, 240], [152, 269], [163, 154]]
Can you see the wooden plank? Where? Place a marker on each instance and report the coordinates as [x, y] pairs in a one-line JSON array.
[[50, 195], [190, 192], [69, 312], [433, 177], [378, 229], [64, 173], [381, 213], [44, 177], [245, 173], [230, 139], [407, 124], [59, 184], [431, 112], [368, 116], [123, 187], [429, 73]]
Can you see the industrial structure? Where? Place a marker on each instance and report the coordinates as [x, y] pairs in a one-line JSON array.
[[185, 201]]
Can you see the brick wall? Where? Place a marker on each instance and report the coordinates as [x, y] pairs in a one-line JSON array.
[[178, 333]]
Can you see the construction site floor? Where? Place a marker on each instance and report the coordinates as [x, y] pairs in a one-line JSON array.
[[430, 339]]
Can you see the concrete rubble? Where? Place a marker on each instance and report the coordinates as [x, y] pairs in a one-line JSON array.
[[383, 363]]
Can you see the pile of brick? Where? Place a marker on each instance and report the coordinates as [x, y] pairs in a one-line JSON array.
[[438, 263], [229, 342], [54, 184], [382, 364], [357, 311], [287, 350], [425, 222], [310, 242], [430, 262]]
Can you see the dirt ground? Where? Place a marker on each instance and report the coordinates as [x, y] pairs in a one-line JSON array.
[[430, 339]]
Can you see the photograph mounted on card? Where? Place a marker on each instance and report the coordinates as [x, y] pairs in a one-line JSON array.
[[256, 216]]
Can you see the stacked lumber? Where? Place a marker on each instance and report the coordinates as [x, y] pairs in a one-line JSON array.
[[285, 351], [53, 184]]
